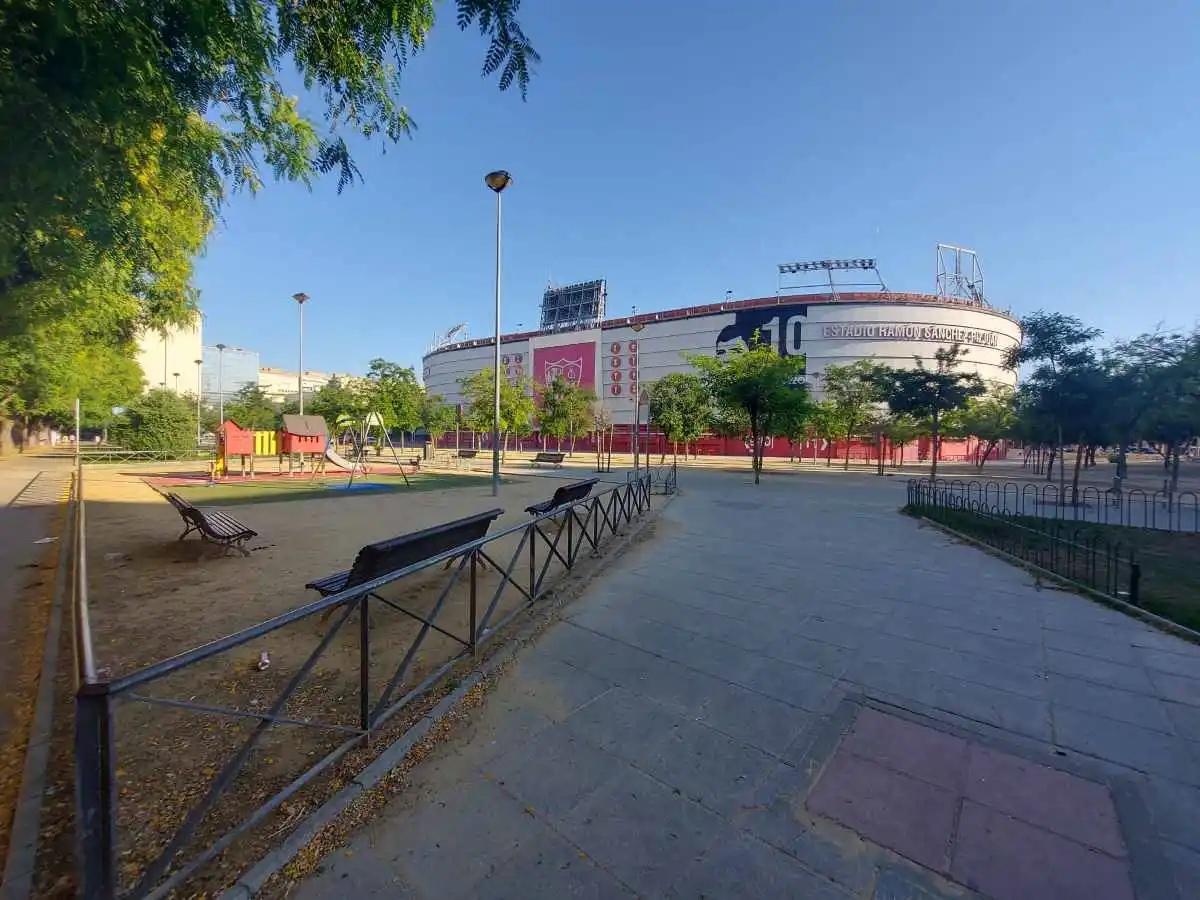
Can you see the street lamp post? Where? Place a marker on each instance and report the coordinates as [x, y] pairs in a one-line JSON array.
[[220, 384], [176, 374], [301, 299], [497, 181], [199, 392]]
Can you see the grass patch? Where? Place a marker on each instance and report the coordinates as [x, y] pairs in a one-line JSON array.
[[274, 490], [1169, 560]]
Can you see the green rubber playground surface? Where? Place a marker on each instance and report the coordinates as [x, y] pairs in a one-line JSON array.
[[273, 489]]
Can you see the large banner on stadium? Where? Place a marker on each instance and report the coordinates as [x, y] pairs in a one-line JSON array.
[[574, 362]]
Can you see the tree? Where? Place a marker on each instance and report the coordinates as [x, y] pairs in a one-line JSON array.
[[902, 430], [754, 387], [337, 399], [928, 394], [854, 391], [1053, 342], [393, 391], [252, 408], [680, 407], [565, 409], [126, 126], [516, 404], [161, 420], [826, 424], [437, 416], [990, 418]]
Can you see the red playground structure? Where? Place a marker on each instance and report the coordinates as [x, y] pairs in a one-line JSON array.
[[301, 436]]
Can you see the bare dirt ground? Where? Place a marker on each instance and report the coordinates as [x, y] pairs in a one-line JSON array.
[[152, 597]]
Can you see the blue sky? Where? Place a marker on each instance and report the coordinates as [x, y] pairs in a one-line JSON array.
[[681, 150]]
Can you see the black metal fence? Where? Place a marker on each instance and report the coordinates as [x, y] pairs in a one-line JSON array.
[[1134, 507], [559, 537], [664, 479], [1070, 549], [105, 454]]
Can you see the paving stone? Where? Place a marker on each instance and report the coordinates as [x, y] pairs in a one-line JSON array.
[[711, 768], [744, 866], [1119, 651], [911, 817], [554, 774], [1065, 804], [894, 883], [1010, 860], [1186, 720], [777, 815], [644, 833], [551, 868], [477, 815], [1177, 688], [829, 659], [1112, 703], [1185, 867], [555, 688], [1028, 682], [1128, 745], [915, 750], [760, 721], [1185, 665], [1174, 809], [623, 723], [792, 684], [1127, 676], [1003, 709]]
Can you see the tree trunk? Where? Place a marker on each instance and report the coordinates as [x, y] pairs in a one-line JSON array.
[[828, 453], [754, 454], [986, 453], [1174, 485], [846, 464], [1079, 454], [1051, 457], [935, 444]]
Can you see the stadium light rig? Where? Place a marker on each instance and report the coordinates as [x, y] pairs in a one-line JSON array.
[[826, 264]]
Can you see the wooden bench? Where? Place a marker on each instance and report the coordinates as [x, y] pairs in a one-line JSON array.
[[376, 560], [564, 496], [554, 459], [212, 525], [467, 454]]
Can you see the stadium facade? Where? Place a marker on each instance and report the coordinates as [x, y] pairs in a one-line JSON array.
[[619, 356]]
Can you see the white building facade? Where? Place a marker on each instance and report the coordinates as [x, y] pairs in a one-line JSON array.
[[627, 354], [170, 360]]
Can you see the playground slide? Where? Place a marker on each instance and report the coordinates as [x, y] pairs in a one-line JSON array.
[[340, 461]]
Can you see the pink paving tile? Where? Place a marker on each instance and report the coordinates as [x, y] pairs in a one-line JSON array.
[[906, 815], [1058, 802], [1007, 859], [918, 751]]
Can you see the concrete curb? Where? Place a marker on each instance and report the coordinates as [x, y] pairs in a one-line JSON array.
[[1180, 631], [274, 862], [27, 817]]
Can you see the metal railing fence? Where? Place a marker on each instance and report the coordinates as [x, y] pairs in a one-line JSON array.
[[584, 525]]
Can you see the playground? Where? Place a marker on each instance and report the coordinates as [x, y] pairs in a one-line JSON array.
[[154, 596]]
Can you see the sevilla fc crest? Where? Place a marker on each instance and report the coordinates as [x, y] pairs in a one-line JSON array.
[[570, 369]]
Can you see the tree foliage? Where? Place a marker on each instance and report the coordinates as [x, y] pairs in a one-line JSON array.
[[927, 394], [565, 408], [251, 408], [990, 417], [853, 389], [680, 407], [161, 420], [394, 392], [516, 404], [437, 416], [756, 389]]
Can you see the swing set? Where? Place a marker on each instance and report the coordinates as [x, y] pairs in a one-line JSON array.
[[359, 431]]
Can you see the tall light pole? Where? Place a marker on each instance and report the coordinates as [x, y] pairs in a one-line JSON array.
[[176, 374], [199, 392], [301, 299], [220, 384], [497, 181]]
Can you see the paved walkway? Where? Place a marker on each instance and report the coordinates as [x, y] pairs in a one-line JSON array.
[[794, 692]]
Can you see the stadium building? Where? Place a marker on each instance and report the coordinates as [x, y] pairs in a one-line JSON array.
[[617, 358]]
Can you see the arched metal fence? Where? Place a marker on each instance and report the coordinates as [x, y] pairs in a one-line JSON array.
[[1133, 508], [1071, 548]]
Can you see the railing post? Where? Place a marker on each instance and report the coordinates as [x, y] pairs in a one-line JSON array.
[[364, 663], [1135, 582], [96, 792], [533, 536], [474, 637], [570, 538]]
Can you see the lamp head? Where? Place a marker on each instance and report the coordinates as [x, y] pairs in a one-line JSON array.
[[497, 180], [222, 346], [300, 298]]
